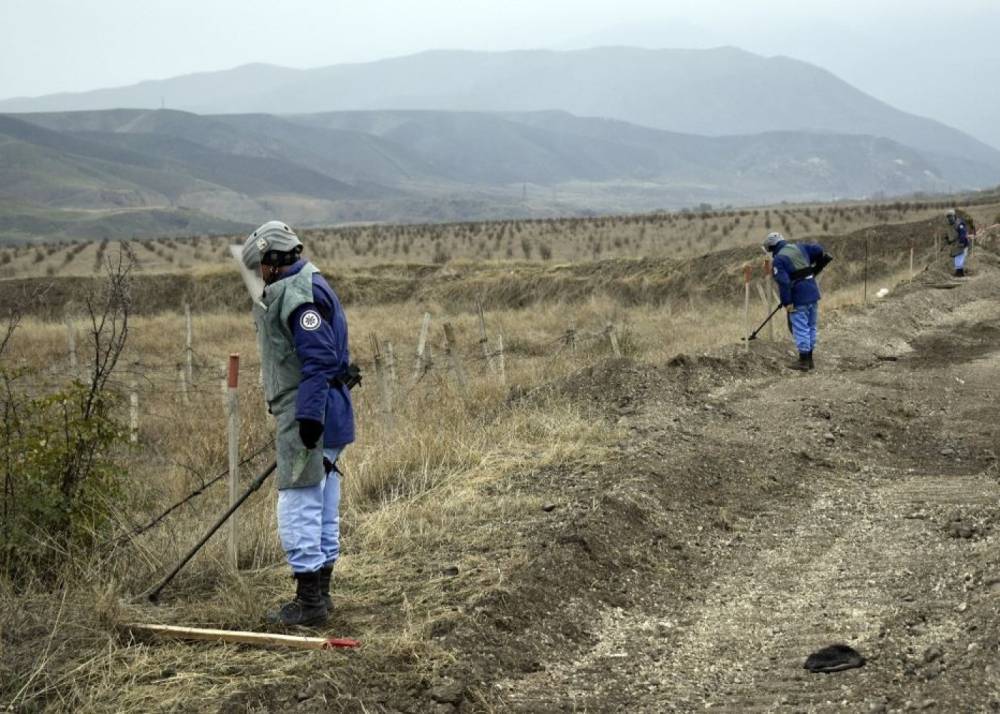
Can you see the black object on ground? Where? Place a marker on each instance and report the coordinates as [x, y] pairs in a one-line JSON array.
[[834, 658]]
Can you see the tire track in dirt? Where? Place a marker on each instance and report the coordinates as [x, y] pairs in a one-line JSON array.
[[867, 555]]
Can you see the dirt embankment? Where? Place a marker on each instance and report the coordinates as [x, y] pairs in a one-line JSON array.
[[459, 286]]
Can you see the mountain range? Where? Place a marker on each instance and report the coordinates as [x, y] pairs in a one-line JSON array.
[[455, 135]]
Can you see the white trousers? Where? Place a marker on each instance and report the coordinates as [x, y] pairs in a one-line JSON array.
[[309, 521]]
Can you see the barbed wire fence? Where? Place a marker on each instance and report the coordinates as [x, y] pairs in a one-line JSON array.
[[153, 387], [188, 374]]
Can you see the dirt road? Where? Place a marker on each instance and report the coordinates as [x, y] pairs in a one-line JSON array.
[[757, 515]]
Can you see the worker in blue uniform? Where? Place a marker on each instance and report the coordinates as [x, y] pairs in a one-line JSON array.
[[795, 266], [958, 239], [302, 337]]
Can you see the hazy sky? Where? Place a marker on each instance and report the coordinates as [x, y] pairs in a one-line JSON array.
[[903, 51]]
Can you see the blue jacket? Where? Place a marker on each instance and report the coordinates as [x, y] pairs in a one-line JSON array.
[[320, 333], [796, 292], [962, 233]]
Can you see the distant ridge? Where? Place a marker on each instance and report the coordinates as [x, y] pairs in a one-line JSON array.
[[723, 91], [152, 172]]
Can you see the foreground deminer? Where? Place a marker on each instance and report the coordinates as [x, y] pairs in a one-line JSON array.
[[302, 337], [958, 239], [795, 267]]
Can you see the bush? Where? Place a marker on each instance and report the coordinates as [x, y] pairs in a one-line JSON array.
[[58, 445], [60, 478]]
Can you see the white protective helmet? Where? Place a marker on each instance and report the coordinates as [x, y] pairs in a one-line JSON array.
[[772, 240], [273, 243]]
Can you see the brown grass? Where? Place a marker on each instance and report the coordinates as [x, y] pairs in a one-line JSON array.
[[431, 492]]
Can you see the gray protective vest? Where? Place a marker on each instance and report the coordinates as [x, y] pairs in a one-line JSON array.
[[297, 466], [794, 254]]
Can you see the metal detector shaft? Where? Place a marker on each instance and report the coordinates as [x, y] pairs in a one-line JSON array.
[[350, 379], [753, 335], [154, 594]]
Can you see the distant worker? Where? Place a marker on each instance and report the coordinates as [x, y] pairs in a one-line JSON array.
[[795, 269], [302, 337], [958, 239]]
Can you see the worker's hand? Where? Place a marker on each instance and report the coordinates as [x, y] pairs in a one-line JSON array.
[[789, 308], [310, 432]]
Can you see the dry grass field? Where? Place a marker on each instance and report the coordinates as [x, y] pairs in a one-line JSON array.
[[444, 499]]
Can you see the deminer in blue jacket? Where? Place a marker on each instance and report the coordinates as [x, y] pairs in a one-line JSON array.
[[958, 239], [795, 266], [302, 337]]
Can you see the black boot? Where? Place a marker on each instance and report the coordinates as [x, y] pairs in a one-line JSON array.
[[803, 365], [307, 608], [809, 360], [959, 272], [325, 573]]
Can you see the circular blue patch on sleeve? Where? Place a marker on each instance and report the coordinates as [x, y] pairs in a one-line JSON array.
[[310, 320]]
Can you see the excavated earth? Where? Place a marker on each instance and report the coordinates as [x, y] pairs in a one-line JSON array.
[[750, 516]]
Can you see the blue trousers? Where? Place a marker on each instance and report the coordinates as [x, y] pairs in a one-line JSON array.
[[803, 325], [960, 259], [309, 521]]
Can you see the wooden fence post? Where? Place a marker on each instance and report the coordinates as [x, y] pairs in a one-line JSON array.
[[233, 414], [224, 381], [133, 412], [188, 350], [500, 362], [570, 338], [74, 365], [385, 396], [390, 361], [610, 329], [182, 383], [451, 349], [420, 367], [747, 274], [866, 270], [769, 278], [762, 294], [483, 339]]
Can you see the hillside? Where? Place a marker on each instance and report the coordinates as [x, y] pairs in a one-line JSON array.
[[421, 165], [200, 272], [720, 91]]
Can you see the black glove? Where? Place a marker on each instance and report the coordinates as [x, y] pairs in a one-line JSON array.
[[310, 431]]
